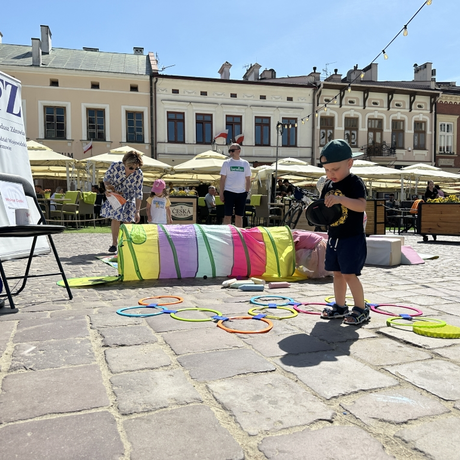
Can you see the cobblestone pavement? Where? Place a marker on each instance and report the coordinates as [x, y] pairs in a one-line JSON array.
[[79, 381]]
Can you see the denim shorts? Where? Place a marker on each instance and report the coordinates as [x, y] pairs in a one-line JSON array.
[[346, 255], [235, 200]]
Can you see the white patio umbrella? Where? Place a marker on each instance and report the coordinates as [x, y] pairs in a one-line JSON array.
[[42, 156], [209, 162]]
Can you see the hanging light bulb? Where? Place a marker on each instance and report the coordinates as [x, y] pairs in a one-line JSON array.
[[335, 100], [405, 31], [325, 108], [362, 75], [316, 114], [303, 121], [428, 2], [385, 55], [308, 118], [349, 88], [295, 126]]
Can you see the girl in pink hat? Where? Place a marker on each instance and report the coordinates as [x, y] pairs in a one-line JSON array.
[[158, 204]]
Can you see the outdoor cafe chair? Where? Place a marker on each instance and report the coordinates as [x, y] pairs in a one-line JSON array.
[[28, 231]]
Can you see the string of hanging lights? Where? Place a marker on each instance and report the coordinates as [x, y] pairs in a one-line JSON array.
[[360, 76]]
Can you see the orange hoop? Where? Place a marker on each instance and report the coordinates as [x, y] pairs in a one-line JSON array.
[[178, 300], [220, 324]]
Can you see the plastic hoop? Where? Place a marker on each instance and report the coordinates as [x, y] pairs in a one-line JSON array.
[[421, 322], [293, 314], [256, 302], [173, 315], [179, 300], [444, 332], [331, 297], [121, 311], [296, 307], [220, 324], [375, 307]]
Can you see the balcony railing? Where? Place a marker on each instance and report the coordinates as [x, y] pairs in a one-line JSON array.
[[378, 150]]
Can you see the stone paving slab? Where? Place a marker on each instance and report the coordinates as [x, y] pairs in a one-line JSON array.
[[129, 335], [52, 354], [452, 353], [47, 329], [57, 391], [338, 443], [111, 319], [6, 329], [152, 390], [81, 436], [269, 403], [223, 364], [331, 374], [200, 340], [406, 335], [200, 436], [436, 376], [136, 358], [164, 323], [438, 439], [395, 406]]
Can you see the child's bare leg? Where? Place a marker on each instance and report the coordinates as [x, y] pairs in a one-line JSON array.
[[356, 289], [340, 288]]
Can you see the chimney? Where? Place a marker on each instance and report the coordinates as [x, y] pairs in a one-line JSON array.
[[1, 38], [36, 52], [313, 76], [46, 39], [252, 74], [138, 50], [423, 72], [335, 76], [153, 63], [268, 74], [225, 70]]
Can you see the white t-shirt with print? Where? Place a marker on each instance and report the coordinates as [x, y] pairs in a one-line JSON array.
[[236, 172], [158, 205]]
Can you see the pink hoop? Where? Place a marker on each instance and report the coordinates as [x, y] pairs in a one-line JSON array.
[[375, 307], [296, 307]]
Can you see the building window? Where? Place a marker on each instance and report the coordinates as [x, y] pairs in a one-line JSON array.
[[263, 97], [233, 124], [233, 95], [326, 130], [54, 82], [289, 98], [203, 93], [133, 88], [374, 131], [397, 134], [262, 127], [175, 91], [134, 127], [419, 135], [203, 128], [55, 123], [95, 121], [446, 138], [351, 131], [176, 127], [289, 137], [94, 85]]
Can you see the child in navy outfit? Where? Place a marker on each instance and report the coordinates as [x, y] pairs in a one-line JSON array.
[[346, 250]]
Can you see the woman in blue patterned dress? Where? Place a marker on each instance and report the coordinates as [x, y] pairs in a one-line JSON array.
[[124, 177]]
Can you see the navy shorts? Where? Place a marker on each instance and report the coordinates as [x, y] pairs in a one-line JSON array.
[[234, 200], [346, 255]]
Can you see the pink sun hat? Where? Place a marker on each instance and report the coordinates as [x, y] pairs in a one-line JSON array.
[[158, 186]]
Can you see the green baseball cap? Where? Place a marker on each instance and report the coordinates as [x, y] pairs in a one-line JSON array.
[[337, 150]]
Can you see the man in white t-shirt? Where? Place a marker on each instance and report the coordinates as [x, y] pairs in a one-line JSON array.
[[235, 183]]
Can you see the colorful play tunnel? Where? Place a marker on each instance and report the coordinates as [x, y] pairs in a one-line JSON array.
[[188, 251]]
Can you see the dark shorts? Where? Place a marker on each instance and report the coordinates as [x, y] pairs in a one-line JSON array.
[[234, 200], [346, 255]]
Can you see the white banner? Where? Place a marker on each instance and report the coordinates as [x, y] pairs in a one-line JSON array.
[[14, 159]]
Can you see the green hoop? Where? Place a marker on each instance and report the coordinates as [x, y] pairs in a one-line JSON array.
[[256, 310], [173, 315], [421, 322]]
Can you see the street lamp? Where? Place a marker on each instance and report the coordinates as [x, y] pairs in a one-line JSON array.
[[279, 132]]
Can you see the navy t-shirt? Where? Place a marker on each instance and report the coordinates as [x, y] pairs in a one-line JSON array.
[[351, 222]]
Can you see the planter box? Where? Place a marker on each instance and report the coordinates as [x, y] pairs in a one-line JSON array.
[[438, 219], [375, 210]]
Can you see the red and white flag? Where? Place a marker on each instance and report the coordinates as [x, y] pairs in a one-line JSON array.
[[222, 134], [239, 139], [88, 146]]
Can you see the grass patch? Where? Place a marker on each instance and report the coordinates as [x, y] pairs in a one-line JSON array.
[[88, 230]]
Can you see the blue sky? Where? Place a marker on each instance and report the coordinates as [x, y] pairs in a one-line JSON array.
[[196, 38]]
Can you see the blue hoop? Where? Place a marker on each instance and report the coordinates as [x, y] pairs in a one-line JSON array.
[[288, 300], [121, 311]]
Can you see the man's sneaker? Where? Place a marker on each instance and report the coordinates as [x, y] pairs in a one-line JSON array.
[[113, 249]]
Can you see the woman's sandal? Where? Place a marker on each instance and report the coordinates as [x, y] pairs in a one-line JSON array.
[[334, 312], [357, 316]]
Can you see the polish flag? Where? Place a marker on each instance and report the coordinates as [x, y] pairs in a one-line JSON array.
[[88, 146], [222, 134], [239, 139]]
